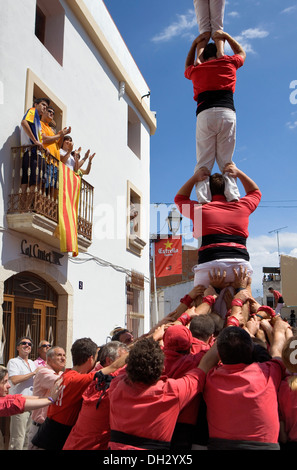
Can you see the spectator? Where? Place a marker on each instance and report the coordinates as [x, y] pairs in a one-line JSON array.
[[62, 415], [238, 391], [52, 142], [11, 405], [71, 158], [91, 430], [278, 300], [21, 371], [33, 165], [43, 347], [158, 400], [43, 382], [214, 84]]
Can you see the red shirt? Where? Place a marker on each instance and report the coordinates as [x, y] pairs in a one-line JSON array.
[[66, 408], [219, 216], [150, 411], [242, 402], [198, 345], [216, 74], [287, 399], [12, 405], [91, 430]]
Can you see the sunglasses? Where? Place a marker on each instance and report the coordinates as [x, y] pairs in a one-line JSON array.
[[49, 111], [46, 346], [24, 343]]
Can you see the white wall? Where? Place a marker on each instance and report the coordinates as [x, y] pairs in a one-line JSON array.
[[98, 119]]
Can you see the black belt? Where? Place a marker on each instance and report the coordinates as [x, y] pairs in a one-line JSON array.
[[136, 441]]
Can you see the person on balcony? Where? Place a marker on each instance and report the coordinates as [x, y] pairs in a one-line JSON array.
[[31, 135], [71, 158], [52, 142]]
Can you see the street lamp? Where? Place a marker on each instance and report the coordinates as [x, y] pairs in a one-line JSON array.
[[174, 220]]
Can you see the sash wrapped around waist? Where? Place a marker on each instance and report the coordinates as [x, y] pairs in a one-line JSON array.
[[136, 441]]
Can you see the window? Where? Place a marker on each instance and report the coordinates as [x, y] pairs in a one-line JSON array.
[[135, 303], [134, 241], [134, 132], [270, 301], [49, 27]]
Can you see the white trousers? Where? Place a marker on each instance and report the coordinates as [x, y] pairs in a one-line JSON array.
[[210, 15], [215, 141], [201, 277], [19, 430]]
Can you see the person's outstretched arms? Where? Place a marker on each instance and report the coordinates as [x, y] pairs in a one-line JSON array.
[[235, 46]]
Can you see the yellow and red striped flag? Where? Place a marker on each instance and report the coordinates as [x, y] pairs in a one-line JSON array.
[[69, 191]]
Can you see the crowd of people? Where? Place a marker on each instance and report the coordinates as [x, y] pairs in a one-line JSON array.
[[196, 381]]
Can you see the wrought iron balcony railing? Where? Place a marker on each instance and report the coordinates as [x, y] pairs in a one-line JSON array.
[[35, 188]]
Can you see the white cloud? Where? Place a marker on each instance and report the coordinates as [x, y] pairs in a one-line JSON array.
[[254, 33], [181, 27], [289, 9], [291, 124], [234, 14]]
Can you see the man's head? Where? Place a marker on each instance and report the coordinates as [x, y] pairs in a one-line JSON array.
[[56, 358], [210, 51], [4, 382], [41, 105], [270, 289], [83, 350], [24, 346], [43, 347], [217, 184], [235, 346], [48, 115], [178, 338], [67, 143], [145, 362], [202, 327], [110, 352], [123, 335]]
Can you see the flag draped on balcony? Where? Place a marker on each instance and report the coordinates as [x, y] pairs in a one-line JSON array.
[[168, 257], [69, 192]]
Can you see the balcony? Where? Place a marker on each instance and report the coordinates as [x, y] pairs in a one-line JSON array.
[[33, 206]]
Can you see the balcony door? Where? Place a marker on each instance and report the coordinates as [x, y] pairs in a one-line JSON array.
[[29, 309]]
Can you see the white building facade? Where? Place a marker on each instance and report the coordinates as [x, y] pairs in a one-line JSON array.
[[72, 53]]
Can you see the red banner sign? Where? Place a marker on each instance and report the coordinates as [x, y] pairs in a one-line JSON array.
[[168, 257]]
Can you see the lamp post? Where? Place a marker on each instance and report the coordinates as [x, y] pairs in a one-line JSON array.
[[174, 220]]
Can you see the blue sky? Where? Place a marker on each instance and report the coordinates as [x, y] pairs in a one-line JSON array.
[[159, 34]]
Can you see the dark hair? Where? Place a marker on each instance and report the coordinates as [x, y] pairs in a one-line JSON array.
[[202, 327], [111, 350], [145, 362], [209, 51], [39, 100], [235, 346], [67, 137], [217, 184], [118, 333], [22, 338], [82, 349], [270, 288]]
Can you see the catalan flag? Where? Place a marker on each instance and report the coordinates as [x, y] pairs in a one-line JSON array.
[[69, 191]]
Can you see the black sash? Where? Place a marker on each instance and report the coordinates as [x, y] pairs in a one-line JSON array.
[[228, 444], [136, 441], [222, 252], [215, 99]]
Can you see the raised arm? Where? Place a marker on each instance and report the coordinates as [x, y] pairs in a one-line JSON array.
[[200, 175], [197, 45], [235, 46], [247, 182]]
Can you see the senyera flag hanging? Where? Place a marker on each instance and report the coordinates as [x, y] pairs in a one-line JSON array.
[[69, 191], [168, 257]]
